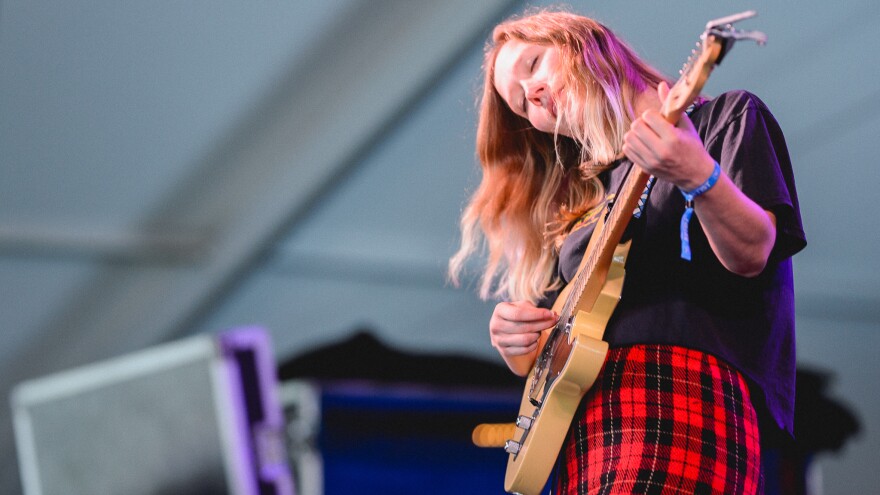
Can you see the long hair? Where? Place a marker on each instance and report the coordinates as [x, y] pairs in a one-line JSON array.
[[535, 184]]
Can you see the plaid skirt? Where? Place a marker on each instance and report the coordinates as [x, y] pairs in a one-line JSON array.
[[662, 420]]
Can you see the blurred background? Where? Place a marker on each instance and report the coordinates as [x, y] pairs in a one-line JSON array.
[[169, 169]]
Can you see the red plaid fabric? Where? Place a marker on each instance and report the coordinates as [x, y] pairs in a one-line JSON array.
[[662, 420]]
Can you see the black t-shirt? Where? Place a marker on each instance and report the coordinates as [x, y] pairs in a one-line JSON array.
[[749, 322]]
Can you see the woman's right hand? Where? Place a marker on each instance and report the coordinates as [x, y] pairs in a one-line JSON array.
[[515, 330]]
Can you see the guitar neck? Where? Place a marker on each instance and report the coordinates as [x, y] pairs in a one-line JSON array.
[[590, 279]]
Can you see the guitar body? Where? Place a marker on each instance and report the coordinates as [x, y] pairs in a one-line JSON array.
[[578, 358]]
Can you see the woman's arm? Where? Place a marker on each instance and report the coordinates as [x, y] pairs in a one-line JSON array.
[[740, 232]]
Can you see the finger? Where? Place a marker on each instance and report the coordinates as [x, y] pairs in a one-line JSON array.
[[515, 344], [655, 121], [517, 339], [502, 329], [642, 140], [632, 145], [524, 312], [508, 319], [632, 152], [519, 351], [640, 157]]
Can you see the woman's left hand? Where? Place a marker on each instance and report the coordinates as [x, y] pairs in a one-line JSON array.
[[673, 153]]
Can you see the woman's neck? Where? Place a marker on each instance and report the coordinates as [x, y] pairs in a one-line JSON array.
[[646, 100]]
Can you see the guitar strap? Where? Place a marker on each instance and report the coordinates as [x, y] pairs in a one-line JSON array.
[[643, 199]]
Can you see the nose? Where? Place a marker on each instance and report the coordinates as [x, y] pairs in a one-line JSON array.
[[535, 92]]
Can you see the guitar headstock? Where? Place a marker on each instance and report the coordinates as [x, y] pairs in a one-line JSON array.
[[717, 39]]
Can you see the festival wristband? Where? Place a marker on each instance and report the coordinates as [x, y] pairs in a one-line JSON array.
[[689, 209]]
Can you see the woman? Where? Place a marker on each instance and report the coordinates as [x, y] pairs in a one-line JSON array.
[[700, 348]]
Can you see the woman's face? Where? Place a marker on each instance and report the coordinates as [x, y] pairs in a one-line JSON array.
[[525, 77]]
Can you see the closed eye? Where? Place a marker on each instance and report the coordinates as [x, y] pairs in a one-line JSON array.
[[525, 100]]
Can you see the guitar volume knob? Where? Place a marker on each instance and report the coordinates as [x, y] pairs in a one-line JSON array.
[[524, 422], [512, 447]]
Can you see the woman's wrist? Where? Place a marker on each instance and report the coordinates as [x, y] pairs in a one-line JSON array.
[[694, 181]]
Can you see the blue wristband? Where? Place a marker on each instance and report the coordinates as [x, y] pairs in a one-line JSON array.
[[689, 209]]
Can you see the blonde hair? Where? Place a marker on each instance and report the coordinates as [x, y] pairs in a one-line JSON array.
[[535, 184]]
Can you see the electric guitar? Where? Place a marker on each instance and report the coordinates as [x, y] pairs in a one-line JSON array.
[[574, 352]]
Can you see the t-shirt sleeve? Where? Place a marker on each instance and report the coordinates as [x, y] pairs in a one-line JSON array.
[[749, 145], [548, 299]]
